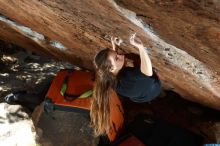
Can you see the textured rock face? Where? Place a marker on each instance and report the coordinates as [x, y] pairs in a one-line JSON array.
[[183, 37]]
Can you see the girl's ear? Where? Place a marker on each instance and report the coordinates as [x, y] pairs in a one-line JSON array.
[[112, 69]]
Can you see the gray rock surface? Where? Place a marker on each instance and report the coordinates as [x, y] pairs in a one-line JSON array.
[[66, 129]]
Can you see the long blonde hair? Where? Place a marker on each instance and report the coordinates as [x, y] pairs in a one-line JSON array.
[[105, 83]]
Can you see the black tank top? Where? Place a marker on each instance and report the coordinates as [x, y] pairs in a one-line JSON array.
[[137, 86]]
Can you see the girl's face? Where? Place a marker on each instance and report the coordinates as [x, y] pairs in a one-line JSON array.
[[117, 62]]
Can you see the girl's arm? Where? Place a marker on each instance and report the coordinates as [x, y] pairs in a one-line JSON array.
[[146, 66]]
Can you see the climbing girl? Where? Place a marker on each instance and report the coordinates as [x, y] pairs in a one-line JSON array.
[[139, 83]]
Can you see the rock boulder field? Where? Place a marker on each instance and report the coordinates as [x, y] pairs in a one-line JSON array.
[[182, 37]]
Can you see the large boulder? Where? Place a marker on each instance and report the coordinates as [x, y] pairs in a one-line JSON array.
[[17, 128], [182, 36]]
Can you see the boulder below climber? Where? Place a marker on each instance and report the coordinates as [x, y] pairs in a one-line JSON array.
[[16, 126]]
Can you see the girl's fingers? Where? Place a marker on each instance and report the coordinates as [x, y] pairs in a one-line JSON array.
[[111, 37], [134, 35], [116, 40], [113, 44], [131, 40], [112, 41]]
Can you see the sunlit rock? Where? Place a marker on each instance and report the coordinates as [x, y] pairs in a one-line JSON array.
[[16, 126]]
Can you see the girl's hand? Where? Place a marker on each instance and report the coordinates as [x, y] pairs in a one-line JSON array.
[[136, 41], [115, 41]]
